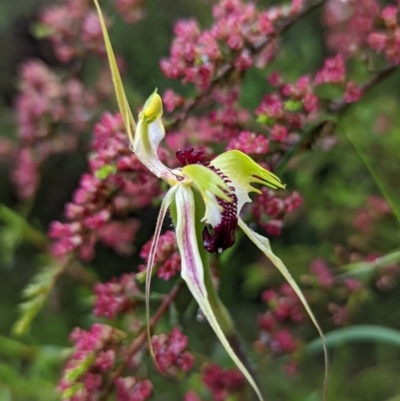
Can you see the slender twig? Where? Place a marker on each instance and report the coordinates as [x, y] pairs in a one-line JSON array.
[[141, 339]]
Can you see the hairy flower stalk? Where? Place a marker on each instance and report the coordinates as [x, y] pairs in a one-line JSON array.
[[202, 197]]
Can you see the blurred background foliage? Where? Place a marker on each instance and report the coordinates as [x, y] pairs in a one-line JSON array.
[[334, 183]]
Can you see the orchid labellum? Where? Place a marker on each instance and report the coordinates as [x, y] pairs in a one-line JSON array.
[[205, 200]]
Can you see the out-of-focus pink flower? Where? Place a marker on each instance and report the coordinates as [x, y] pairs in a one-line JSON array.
[[170, 352], [132, 389], [116, 296], [321, 269], [332, 72], [222, 382], [131, 11], [352, 93], [249, 143]]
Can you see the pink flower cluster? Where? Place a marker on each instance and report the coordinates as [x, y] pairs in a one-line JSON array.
[[343, 296], [93, 356], [51, 113], [375, 210], [249, 143], [288, 108], [74, 29], [355, 25], [223, 383], [170, 352], [130, 10], [386, 40], [218, 125], [132, 389], [349, 23], [167, 260], [292, 105], [116, 185], [270, 208], [284, 308], [115, 296], [240, 37]]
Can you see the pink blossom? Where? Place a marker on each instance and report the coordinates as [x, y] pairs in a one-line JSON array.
[[131, 11], [340, 314], [115, 296], [171, 100], [167, 256], [191, 396], [92, 35], [267, 322], [222, 383], [352, 93], [170, 352], [271, 106], [377, 40], [279, 133], [293, 202], [324, 276], [284, 342], [389, 15], [275, 79], [265, 24], [333, 71], [310, 103], [273, 227], [25, 174], [131, 389], [249, 143], [244, 60]]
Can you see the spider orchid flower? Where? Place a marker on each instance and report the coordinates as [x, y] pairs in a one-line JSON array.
[[204, 200]]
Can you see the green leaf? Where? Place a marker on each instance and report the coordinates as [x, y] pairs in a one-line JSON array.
[[25, 387], [41, 31], [74, 373], [356, 334], [16, 230], [36, 294], [293, 105], [104, 171]]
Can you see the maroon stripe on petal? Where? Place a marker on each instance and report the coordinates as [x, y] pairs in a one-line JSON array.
[[189, 243]]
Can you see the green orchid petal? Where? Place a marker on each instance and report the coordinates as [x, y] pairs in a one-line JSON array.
[[192, 271], [262, 243], [123, 105], [210, 185], [243, 171], [149, 133], [150, 263]]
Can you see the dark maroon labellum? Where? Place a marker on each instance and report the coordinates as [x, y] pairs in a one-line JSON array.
[[221, 237], [190, 156]]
